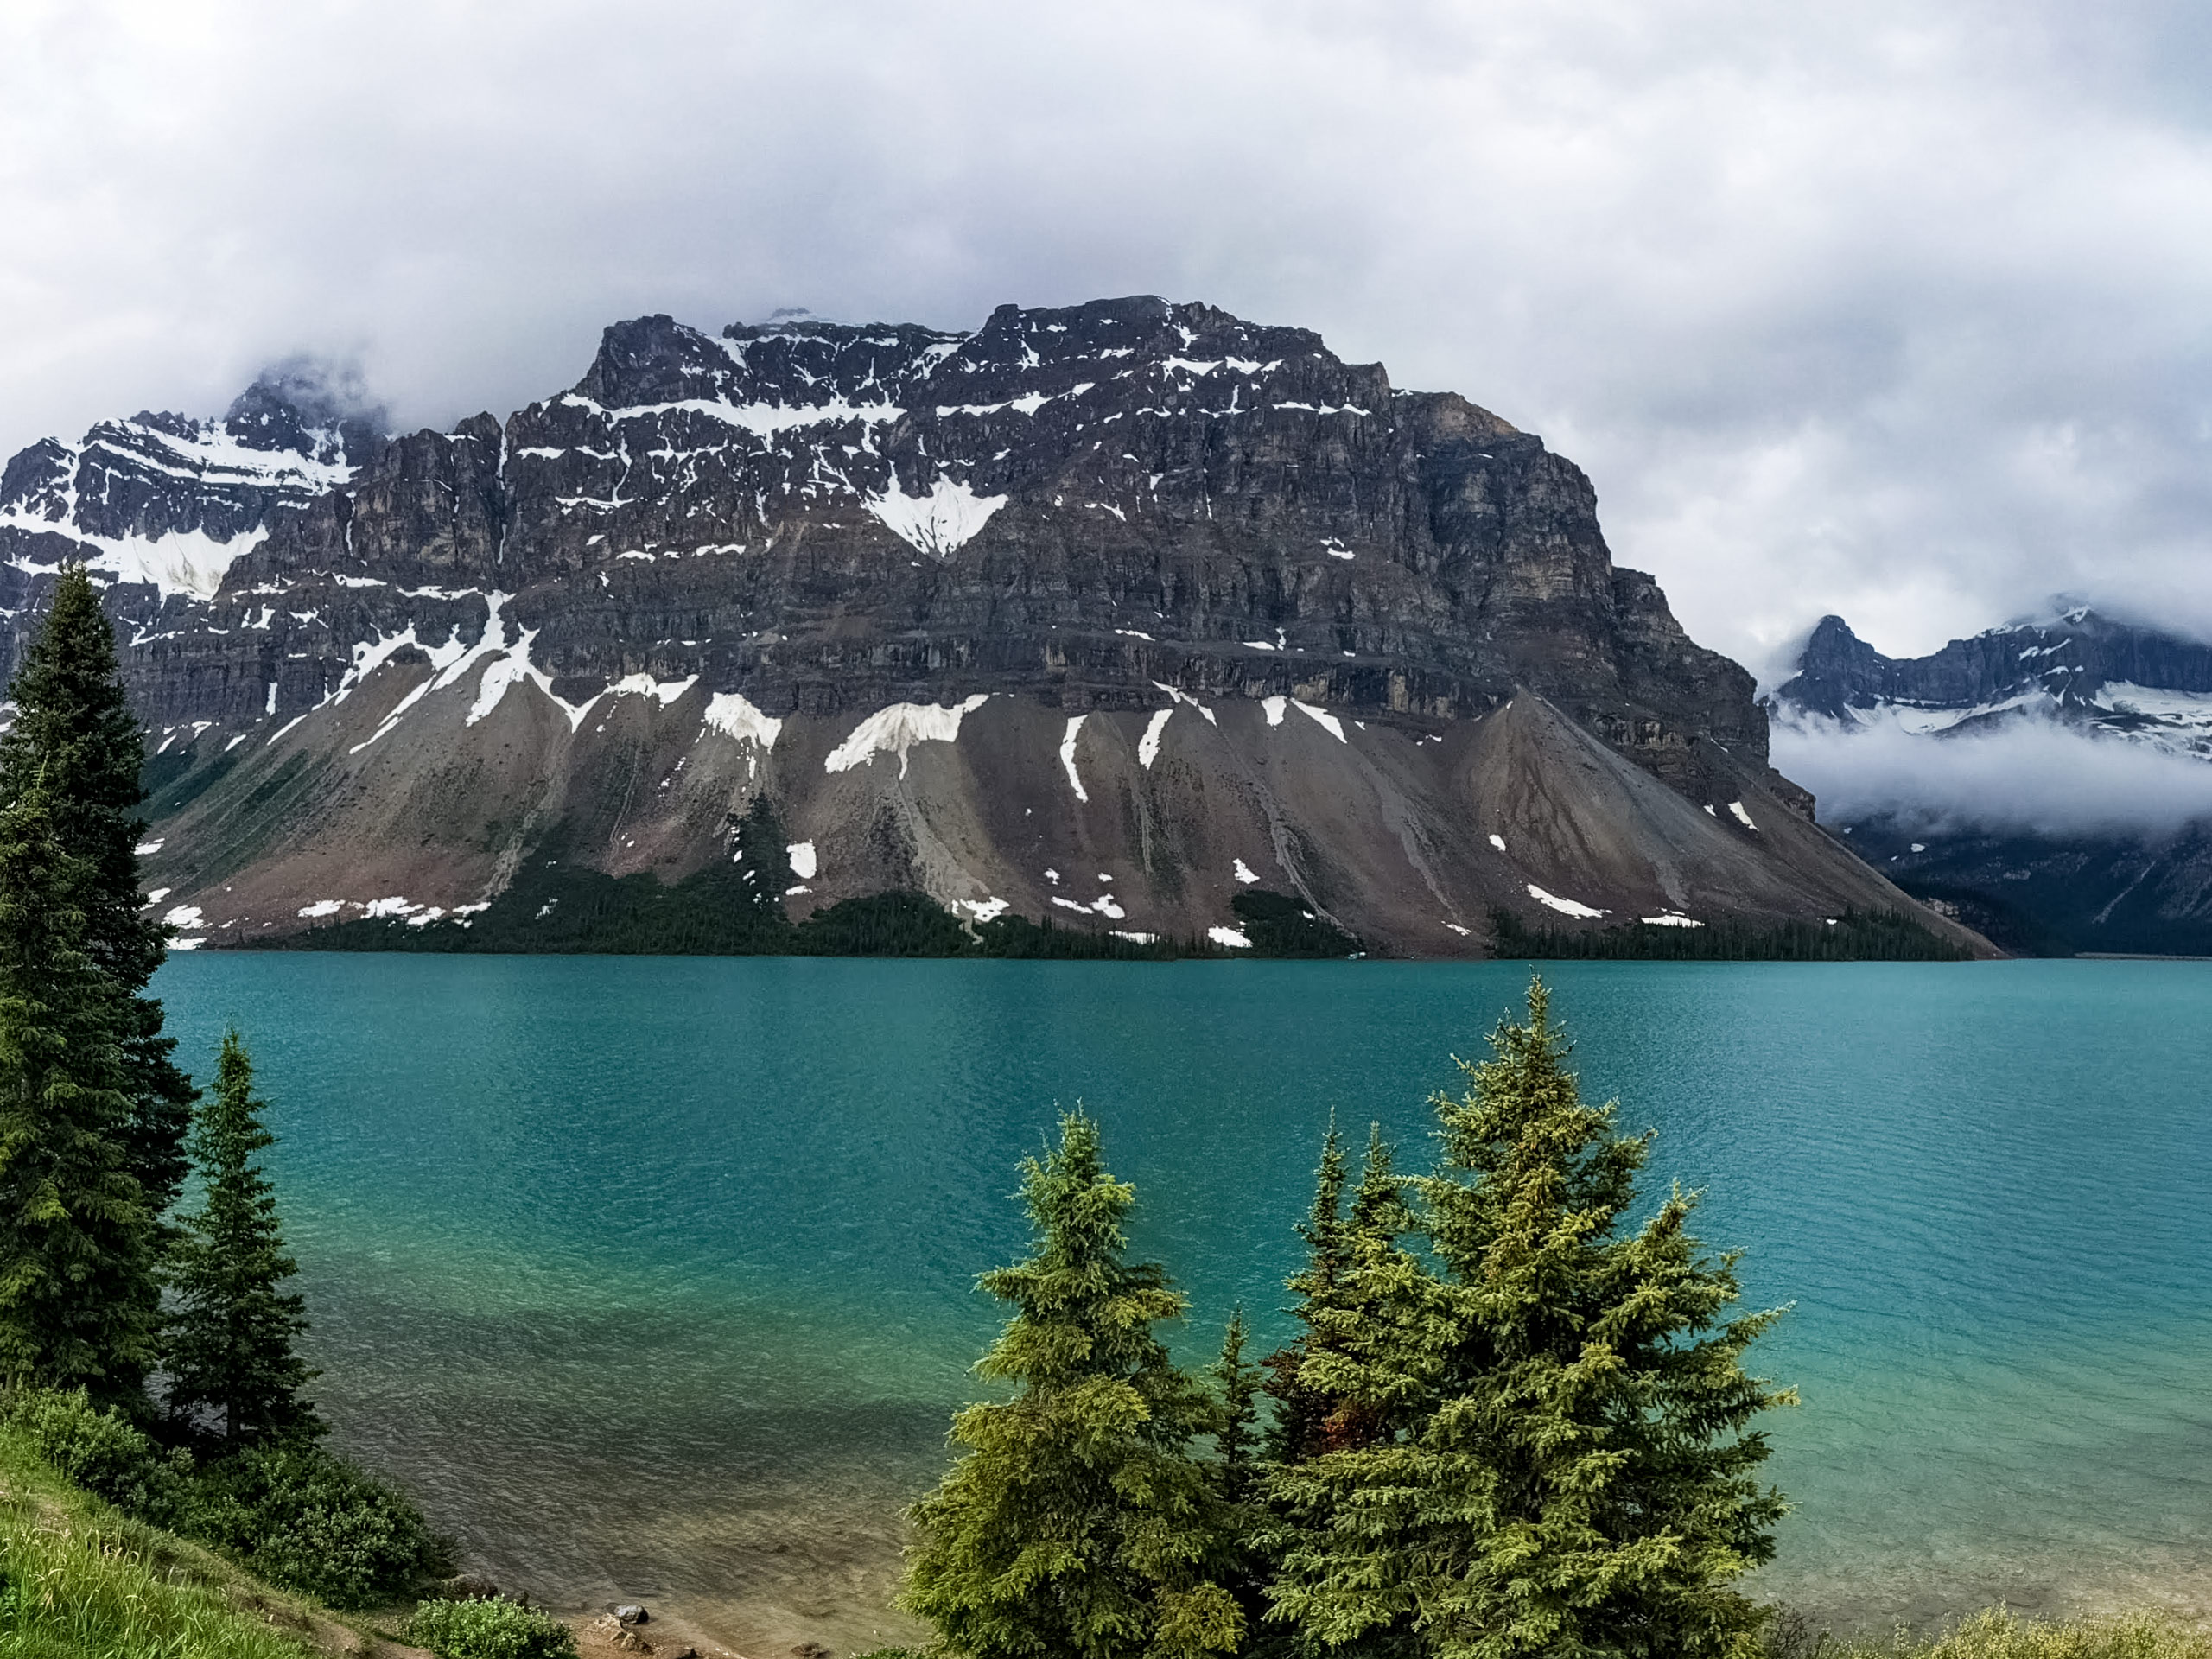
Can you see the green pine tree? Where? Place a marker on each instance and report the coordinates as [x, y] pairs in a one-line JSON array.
[[1378, 1335], [1584, 1480], [75, 736], [1243, 1572], [1236, 1441], [229, 1352], [1379, 1332], [1295, 1432], [1078, 1522], [79, 1301]]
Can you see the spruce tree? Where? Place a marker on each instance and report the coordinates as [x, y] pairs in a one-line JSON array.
[[1599, 1422], [230, 1340], [75, 736], [1078, 1522], [1236, 1440], [1294, 1433], [79, 1301], [1378, 1334], [1582, 1478]]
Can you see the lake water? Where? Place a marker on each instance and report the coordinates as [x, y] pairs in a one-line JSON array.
[[653, 1276]]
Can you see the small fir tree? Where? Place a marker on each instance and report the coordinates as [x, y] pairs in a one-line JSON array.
[[1380, 1330], [1237, 1382], [1294, 1433], [1583, 1482], [1078, 1523], [1336, 1511], [229, 1348], [1236, 1441], [78, 1300], [75, 738]]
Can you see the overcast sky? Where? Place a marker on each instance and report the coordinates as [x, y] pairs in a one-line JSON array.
[[1902, 311]]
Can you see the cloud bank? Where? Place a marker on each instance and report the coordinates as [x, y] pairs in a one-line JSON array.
[[2031, 777], [1870, 307]]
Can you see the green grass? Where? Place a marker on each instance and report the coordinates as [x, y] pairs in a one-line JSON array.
[[80, 1581], [1998, 1634]]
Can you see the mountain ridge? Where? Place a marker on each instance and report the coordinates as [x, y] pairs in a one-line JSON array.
[[2083, 675], [1121, 565]]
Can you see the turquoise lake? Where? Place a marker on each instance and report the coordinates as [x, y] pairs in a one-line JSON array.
[[653, 1276]]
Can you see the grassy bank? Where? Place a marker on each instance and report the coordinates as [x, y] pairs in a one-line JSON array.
[[78, 1580], [1999, 1635]]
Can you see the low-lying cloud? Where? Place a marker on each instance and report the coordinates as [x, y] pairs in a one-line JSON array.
[[2031, 777]]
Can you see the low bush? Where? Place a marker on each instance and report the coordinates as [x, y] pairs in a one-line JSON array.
[[307, 1520], [302, 1517], [101, 1451], [490, 1627]]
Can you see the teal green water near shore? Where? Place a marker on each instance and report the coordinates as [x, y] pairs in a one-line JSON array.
[[652, 1275]]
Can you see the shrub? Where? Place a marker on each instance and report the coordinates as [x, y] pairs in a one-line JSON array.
[[490, 1627], [101, 1451], [312, 1521]]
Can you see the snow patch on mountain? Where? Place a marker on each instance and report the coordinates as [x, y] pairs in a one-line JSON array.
[[898, 728], [946, 519], [730, 714]]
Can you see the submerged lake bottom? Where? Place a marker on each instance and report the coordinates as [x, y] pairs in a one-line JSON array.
[[654, 1277]]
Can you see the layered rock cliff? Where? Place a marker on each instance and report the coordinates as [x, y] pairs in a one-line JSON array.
[[1104, 613]]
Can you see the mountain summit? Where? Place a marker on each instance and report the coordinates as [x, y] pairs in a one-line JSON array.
[[1105, 613]]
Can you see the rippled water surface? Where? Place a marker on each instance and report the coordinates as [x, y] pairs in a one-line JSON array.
[[652, 1275]]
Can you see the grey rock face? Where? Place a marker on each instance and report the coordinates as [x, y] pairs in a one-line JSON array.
[[2068, 663], [1089, 509]]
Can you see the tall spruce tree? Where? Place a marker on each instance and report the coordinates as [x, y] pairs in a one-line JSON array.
[[229, 1352], [78, 1300], [1583, 1481], [1078, 1523], [75, 737]]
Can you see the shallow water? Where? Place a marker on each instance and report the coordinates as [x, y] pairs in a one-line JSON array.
[[652, 1276]]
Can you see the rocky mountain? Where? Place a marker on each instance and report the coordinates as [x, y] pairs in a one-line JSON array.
[[1105, 614], [2125, 681], [2089, 676]]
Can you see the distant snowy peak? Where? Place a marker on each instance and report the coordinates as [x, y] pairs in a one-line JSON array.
[[168, 501], [2108, 678]]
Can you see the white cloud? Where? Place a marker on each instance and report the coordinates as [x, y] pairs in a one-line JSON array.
[[1862, 308], [2031, 776]]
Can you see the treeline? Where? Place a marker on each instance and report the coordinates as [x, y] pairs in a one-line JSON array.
[[1855, 936], [148, 1352], [737, 909], [1510, 1423]]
